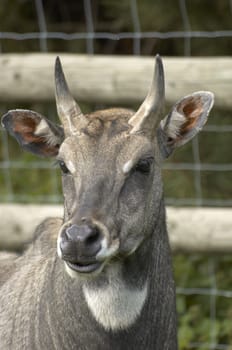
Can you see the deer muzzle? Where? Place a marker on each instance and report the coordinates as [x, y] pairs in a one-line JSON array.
[[85, 247]]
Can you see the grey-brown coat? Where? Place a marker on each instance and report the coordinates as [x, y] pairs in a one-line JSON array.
[[110, 284]]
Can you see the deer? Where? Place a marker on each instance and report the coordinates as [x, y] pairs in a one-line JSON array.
[[100, 277]]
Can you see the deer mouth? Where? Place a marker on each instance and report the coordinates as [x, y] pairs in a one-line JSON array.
[[84, 267]]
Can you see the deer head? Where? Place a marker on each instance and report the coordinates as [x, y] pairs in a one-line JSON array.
[[111, 167]]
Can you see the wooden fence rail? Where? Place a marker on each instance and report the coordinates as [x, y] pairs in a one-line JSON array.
[[112, 79], [191, 230]]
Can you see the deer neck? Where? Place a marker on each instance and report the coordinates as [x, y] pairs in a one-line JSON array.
[[117, 297]]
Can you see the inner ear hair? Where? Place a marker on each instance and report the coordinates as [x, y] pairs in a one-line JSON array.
[[51, 133], [172, 124], [42, 128]]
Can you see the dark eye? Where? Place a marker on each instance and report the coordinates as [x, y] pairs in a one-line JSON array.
[[144, 165], [63, 167]]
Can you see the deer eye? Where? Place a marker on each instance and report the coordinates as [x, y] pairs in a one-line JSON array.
[[144, 165], [63, 167]]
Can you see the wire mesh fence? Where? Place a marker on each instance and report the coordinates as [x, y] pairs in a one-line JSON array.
[[198, 175]]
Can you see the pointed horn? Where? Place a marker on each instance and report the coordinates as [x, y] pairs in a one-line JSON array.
[[147, 117], [67, 108]]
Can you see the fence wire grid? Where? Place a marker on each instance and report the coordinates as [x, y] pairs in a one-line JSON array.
[[12, 167]]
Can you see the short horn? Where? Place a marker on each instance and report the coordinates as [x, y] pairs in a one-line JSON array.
[[148, 115], [68, 110]]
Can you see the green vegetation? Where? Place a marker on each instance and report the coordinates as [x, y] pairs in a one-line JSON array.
[[204, 318], [25, 178]]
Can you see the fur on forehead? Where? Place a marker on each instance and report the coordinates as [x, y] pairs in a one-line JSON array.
[[111, 114], [108, 127], [111, 121]]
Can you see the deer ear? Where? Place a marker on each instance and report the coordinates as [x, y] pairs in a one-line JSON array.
[[34, 132], [185, 120]]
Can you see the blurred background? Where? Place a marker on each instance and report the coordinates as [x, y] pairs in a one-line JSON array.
[[198, 175]]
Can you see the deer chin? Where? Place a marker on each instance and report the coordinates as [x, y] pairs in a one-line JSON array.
[[84, 268], [76, 270]]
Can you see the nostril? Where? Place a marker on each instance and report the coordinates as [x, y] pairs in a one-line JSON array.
[[94, 237]]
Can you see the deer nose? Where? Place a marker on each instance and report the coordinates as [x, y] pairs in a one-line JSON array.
[[81, 241]]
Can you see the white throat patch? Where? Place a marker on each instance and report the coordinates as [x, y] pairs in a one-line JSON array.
[[116, 306]]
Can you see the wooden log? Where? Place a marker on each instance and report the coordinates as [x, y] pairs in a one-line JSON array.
[[18, 223], [191, 230], [200, 230], [112, 80]]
